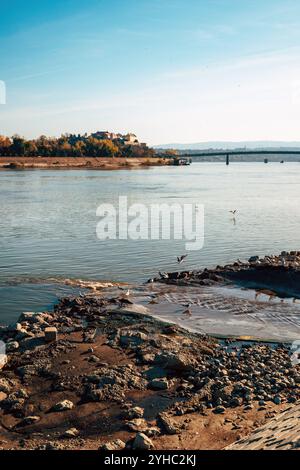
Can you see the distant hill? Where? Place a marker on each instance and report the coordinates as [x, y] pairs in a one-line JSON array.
[[223, 145]]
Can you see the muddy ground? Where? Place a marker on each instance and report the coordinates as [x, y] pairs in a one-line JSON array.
[[117, 377]]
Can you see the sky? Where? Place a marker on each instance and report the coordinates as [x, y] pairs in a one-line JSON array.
[[167, 70]]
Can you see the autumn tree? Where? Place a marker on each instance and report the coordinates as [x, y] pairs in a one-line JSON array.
[[72, 145], [5, 144]]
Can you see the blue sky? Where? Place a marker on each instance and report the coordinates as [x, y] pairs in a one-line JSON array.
[[168, 70]]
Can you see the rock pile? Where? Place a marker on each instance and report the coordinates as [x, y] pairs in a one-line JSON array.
[[279, 273], [108, 356]]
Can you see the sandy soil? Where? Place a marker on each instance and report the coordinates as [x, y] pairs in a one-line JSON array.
[[79, 162], [100, 422], [109, 358]]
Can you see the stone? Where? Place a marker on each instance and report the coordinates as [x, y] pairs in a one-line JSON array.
[[159, 384], [94, 359], [137, 425], [92, 378], [3, 396], [132, 338], [253, 259], [113, 445], [277, 400], [64, 405], [27, 316], [175, 361], [5, 386], [71, 433], [142, 442], [236, 401], [167, 425], [248, 407], [51, 446], [29, 369], [3, 360], [14, 327], [50, 334], [152, 431], [134, 413], [12, 346], [147, 358], [28, 421], [219, 410], [21, 393]]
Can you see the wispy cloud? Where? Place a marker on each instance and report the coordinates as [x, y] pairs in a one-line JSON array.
[[248, 61], [37, 74], [214, 31]]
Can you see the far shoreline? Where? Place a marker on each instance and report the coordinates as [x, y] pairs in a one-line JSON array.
[[115, 163]]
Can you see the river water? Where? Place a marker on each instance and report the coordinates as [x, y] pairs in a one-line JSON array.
[[48, 224]]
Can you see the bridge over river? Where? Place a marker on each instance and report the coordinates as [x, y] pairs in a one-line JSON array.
[[228, 153]]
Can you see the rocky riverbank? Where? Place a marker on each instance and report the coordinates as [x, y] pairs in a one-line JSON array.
[[271, 275], [100, 373]]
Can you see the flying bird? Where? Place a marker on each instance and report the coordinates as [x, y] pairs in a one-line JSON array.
[[233, 212], [180, 259]]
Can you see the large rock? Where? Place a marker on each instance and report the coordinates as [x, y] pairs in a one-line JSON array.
[[142, 442], [132, 338], [175, 361], [30, 317], [64, 405], [133, 413], [159, 384], [113, 445], [23, 334], [12, 346], [50, 334], [137, 425], [28, 421], [167, 425]]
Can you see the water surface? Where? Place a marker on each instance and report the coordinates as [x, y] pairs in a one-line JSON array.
[[48, 223]]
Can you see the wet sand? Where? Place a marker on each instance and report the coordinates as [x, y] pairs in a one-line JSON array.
[[227, 312]]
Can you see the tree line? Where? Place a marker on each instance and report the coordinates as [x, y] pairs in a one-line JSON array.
[[70, 145]]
